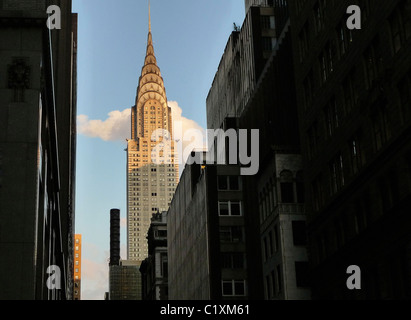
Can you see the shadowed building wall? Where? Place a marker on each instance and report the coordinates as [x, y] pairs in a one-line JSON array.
[[37, 149]]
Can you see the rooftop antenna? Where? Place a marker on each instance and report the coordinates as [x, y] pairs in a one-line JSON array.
[[149, 17]]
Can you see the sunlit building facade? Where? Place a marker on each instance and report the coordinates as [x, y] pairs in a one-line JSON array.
[[77, 267], [152, 170]]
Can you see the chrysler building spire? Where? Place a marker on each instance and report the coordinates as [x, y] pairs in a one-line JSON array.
[[149, 17]]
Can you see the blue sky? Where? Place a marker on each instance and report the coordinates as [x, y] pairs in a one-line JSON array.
[[189, 40]]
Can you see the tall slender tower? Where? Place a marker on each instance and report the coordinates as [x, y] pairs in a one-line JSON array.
[[152, 171]]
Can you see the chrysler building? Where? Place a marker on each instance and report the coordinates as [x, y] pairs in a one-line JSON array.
[[152, 168]]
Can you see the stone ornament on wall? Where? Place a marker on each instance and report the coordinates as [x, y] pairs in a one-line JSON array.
[[19, 78]]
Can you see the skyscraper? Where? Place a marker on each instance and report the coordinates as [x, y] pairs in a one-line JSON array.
[[152, 172], [77, 267]]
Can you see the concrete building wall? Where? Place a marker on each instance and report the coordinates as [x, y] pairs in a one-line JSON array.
[[240, 67], [280, 252], [188, 254]]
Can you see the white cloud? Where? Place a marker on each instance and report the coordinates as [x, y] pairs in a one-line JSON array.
[[117, 128]]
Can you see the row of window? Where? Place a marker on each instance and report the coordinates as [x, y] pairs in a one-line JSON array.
[[352, 158], [359, 214], [337, 47], [380, 118]]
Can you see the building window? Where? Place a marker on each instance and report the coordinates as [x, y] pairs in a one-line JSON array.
[[229, 208], [331, 117], [404, 89], [400, 25], [233, 287], [308, 87], [327, 61], [323, 69], [300, 5], [372, 63], [336, 174], [301, 273], [228, 183], [381, 127], [161, 233], [356, 152], [317, 193], [268, 43], [303, 42], [265, 249], [269, 289], [276, 244], [349, 92], [299, 233], [389, 190], [300, 187], [319, 15], [340, 232], [164, 265], [313, 138], [344, 39], [232, 260], [267, 22], [231, 234], [272, 276], [287, 186], [321, 247], [279, 279], [287, 192], [270, 242]]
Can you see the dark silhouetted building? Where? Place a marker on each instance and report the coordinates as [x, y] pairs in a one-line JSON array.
[[154, 269], [255, 84], [125, 281], [354, 105], [124, 275], [114, 237], [37, 150]]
